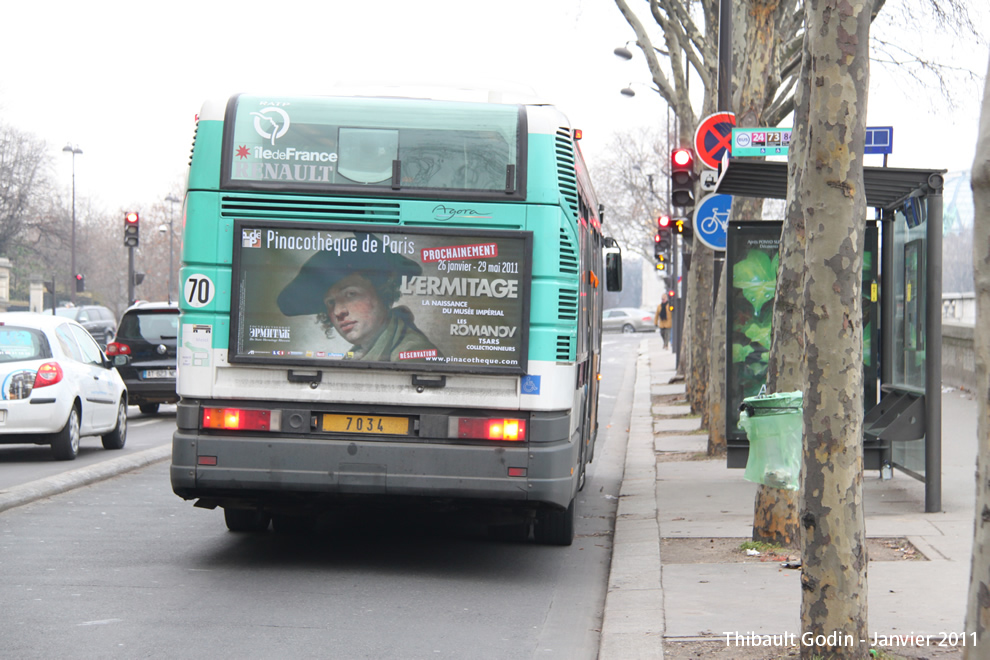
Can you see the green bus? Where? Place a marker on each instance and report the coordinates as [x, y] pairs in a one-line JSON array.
[[391, 299]]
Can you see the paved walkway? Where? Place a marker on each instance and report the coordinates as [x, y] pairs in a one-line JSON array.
[[650, 601]]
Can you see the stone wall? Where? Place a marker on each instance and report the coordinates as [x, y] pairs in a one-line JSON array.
[[958, 358]]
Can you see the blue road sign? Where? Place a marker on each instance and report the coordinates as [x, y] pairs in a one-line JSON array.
[[879, 140], [711, 217]]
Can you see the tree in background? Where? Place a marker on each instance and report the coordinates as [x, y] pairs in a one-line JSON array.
[[25, 184], [978, 607], [691, 53], [622, 176], [766, 65]]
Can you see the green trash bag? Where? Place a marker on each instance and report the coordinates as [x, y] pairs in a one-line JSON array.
[[773, 423]]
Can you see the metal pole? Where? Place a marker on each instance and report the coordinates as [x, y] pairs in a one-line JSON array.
[[725, 56], [933, 348], [170, 256], [130, 276], [72, 271], [73, 150], [171, 199]]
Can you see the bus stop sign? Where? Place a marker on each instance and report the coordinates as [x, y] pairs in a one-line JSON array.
[[714, 138]]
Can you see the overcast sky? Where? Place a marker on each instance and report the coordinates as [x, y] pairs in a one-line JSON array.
[[123, 81]]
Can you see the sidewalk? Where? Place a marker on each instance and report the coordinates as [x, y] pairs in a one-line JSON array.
[[651, 601]]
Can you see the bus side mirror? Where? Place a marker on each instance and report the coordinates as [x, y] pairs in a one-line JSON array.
[[613, 268]]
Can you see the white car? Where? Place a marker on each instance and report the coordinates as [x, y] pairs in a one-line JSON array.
[[57, 386]]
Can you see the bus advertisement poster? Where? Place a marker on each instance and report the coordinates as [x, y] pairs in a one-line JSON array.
[[396, 297]]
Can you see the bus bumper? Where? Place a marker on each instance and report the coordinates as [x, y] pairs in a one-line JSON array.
[[260, 470]]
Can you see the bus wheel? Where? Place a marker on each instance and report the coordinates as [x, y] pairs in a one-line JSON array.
[[554, 527], [246, 520]]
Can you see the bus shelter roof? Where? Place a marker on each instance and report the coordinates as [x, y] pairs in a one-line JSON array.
[[886, 187]]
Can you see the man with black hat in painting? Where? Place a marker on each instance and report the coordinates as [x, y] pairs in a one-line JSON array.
[[353, 295]]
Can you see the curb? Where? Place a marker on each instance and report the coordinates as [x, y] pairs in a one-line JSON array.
[[633, 621], [60, 483]]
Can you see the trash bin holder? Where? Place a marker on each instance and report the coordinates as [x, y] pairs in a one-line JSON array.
[[773, 424]]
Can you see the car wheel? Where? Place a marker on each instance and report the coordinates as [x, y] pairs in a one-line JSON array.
[[246, 520], [116, 438], [148, 408], [65, 444], [553, 527], [627, 329]]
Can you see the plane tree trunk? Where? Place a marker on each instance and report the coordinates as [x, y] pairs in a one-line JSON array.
[[978, 605], [833, 539]]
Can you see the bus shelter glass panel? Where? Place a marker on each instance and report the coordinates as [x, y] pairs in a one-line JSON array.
[[909, 332], [871, 317]]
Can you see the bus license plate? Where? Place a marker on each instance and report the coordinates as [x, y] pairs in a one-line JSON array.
[[366, 424], [159, 373]]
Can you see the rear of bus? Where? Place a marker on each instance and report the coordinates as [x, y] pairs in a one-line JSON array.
[[471, 236]]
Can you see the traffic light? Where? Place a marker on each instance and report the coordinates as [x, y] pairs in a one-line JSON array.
[[682, 178], [132, 229], [664, 228], [684, 227], [80, 283]]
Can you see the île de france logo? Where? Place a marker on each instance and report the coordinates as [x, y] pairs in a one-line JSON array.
[[271, 123]]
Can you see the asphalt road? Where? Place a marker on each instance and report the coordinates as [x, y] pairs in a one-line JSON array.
[[122, 568], [21, 464]]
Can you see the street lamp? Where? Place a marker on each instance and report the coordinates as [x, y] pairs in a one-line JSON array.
[[629, 91], [172, 201], [72, 273]]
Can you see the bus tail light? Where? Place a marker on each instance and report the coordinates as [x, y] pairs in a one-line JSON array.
[[239, 419], [483, 428]]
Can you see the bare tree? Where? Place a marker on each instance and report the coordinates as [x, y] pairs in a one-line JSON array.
[[978, 607], [24, 186], [629, 177]]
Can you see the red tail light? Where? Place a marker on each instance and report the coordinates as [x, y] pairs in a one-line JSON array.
[[480, 428], [237, 419], [115, 348], [48, 374]]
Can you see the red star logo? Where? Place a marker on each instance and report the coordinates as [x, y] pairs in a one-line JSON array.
[[242, 152]]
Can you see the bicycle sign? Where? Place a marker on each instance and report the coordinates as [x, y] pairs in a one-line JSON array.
[[711, 218]]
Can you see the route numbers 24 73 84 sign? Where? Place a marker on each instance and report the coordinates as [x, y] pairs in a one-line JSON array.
[[760, 141]]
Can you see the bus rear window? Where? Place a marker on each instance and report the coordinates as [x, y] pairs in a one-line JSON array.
[[351, 144]]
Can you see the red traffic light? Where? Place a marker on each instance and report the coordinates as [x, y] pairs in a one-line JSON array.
[[682, 178], [132, 229], [663, 222], [682, 158]]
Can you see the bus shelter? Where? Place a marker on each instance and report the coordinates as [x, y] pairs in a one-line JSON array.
[[902, 394]]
